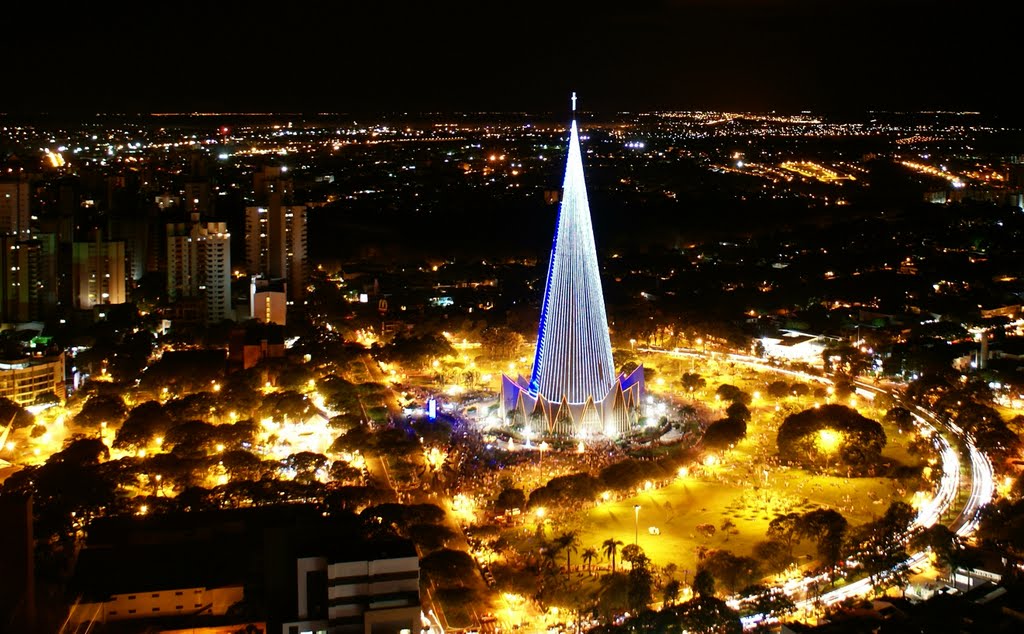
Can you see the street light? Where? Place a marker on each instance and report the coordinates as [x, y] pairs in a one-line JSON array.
[[636, 524], [543, 448], [828, 442]]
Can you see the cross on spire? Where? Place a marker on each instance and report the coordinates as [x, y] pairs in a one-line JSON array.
[[574, 102]]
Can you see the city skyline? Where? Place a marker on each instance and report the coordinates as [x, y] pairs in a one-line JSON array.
[[786, 55], [293, 371]]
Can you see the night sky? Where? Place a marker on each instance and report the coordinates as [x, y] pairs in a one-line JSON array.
[[367, 57]]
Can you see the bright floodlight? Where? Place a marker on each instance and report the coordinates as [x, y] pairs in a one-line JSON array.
[[828, 440]]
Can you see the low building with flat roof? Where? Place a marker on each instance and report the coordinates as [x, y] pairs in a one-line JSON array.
[[363, 587], [29, 380]]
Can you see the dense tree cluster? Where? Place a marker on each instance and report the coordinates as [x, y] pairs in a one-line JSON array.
[[100, 409], [947, 546], [501, 342], [844, 359], [632, 472], [831, 435], [724, 433], [704, 614], [901, 418], [394, 440], [567, 490], [414, 351], [968, 405], [880, 546], [1002, 525], [731, 571], [826, 527], [733, 394], [199, 439], [184, 372], [511, 498], [691, 382], [145, 423]]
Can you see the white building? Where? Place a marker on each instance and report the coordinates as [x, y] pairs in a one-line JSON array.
[[147, 603], [372, 588], [797, 347], [191, 583], [268, 301], [275, 231], [31, 379]]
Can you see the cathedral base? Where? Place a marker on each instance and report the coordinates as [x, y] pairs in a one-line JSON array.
[[616, 413]]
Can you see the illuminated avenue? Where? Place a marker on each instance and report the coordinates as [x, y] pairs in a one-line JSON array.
[[252, 372]]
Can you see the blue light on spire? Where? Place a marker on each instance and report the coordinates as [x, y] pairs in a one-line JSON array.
[[574, 352]]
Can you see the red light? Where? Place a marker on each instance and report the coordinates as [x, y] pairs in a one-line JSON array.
[[223, 129]]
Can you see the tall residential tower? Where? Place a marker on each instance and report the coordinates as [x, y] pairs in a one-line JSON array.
[[275, 232]]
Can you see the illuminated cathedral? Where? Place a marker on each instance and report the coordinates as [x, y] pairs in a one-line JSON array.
[[573, 389]]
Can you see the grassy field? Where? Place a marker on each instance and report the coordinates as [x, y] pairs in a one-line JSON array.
[[676, 510], [740, 487]]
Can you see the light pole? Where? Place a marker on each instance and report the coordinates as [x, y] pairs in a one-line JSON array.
[[636, 524], [543, 447]]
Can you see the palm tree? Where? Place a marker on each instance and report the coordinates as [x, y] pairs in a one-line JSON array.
[[569, 541], [549, 552], [589, 555], [610, 547]]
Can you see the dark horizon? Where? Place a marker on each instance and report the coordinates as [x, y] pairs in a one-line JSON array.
[[734, 55]]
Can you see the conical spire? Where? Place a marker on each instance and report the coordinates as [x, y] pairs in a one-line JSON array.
[[574, 352]]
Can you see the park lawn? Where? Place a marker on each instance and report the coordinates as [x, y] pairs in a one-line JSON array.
[[680, 507], [735, 489]]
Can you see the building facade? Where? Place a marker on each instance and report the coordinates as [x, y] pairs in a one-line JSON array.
[[28, 277], [275, 245], [375, 591], [268, 301], [199, 266], [15, 205], [275, 232], [573, 389], [148, 603], [98, 273], [32, 379]]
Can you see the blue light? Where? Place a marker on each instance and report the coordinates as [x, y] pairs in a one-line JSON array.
[[573, 371]]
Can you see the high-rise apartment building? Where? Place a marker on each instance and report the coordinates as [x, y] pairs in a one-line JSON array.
[[98, 273], [28, 277], [275, 245], [275, 232], [15, 203], [199, 266]]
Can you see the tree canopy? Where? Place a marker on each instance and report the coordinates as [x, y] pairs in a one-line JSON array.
[[831, 435]]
